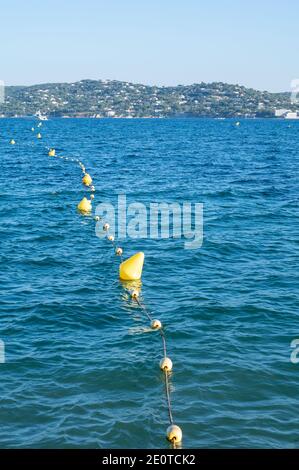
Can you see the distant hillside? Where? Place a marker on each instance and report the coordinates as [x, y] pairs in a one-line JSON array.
[[98, 98]]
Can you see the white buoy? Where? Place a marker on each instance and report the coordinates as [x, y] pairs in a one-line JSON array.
[[174, 433], [92, 188], [111, 238], [92, 196], [134, 294], [106, 227], [156, 324], [166, 364], [119, 251], [96, 218]]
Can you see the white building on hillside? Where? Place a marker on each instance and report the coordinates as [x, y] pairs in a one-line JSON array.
[[292, 115]]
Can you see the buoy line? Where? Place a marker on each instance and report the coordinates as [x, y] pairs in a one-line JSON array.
[[129, 270], [174, 432], [165, 364]]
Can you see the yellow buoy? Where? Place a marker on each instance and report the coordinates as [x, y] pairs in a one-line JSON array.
[[12, 142], [87, 180], [85, 205], [39, 136], [52, 153], [131, 268]]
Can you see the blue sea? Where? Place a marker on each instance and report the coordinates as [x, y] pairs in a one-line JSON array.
[[81, 365]]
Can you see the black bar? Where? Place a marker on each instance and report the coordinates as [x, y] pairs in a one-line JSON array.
[[135, 458]]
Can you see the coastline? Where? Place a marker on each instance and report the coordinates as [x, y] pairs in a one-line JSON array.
[[105, 118]]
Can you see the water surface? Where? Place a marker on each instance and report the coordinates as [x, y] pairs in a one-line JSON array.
[[81, 368]]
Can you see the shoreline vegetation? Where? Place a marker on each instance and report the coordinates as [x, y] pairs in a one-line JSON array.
[[117, 99]]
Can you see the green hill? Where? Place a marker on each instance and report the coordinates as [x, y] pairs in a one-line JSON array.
[[110, 98]]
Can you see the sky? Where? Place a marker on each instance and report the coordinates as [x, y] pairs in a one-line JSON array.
[[167, 42]]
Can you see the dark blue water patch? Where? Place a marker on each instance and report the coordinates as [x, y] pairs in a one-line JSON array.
[[81, 363]]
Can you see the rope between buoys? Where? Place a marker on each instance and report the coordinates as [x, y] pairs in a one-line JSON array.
[[164, 342], [167, 390], [144, 309], [165, 372]]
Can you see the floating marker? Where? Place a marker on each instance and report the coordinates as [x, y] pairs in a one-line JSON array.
[[174, 433], [85, 206], [130, 272], [156, 324], [32, 128], [12, 142], [87, 180], [39, 136], [166, 364], [131, 268], [135, 294]]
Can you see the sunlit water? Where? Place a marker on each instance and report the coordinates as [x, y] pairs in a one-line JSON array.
[[81, 364]]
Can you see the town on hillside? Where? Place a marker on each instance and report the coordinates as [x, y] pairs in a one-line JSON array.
[[118, 99]]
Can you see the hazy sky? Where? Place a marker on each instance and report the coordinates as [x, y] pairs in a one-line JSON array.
[[166, 42]]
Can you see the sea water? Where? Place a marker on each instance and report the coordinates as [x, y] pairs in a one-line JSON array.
[[81, 365]]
